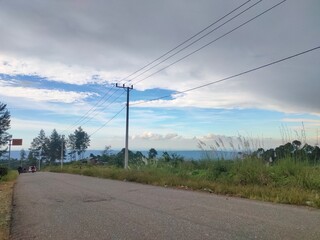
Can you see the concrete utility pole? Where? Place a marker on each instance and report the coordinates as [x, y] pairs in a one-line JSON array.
[[9, 156], [62, 145], [39, 163], [126, 153]]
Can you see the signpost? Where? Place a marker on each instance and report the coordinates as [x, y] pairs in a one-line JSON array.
[[16, 142], [13, 142]]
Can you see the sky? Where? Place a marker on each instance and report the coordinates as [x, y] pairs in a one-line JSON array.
[[60, 62]]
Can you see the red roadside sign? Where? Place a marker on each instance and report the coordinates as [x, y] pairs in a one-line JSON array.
[[16, 142]]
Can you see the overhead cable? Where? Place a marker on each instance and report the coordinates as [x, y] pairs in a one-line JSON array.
[[197, 40], [206, 45], [233, 76], [107, 121]]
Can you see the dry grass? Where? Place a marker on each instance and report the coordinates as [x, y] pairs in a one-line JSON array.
[[6, 190]]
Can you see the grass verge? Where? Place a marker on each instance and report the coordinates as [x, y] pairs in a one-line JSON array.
[[6, 191], [286, 182]]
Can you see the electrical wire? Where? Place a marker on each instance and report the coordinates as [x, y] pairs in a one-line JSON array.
[[171, 50], [197, 40], [91, 110], [190, 38], [206, 45], [233, 76], [105, 107], [107, 121]]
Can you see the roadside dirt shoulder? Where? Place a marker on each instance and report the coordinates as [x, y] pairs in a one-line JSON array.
[[6, 196]]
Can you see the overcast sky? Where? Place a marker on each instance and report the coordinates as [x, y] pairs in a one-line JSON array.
[[60, 59]]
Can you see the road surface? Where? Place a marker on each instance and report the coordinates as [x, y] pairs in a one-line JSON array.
[[64, 206]]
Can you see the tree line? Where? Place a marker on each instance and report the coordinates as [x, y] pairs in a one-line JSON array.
[[108, 157], [50, 149], [294, 150]]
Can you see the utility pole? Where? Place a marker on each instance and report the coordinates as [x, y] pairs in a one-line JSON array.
[[40, 158], [9, 156], [62, 145], [126, 153]]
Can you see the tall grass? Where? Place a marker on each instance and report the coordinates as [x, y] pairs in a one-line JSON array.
[[286, 181], [11, 176]]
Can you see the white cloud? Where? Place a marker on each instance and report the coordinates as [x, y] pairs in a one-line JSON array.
[[41, 95], [54, 71], [314, 122], [249, 92], [90, 45], [155, 136], [83, 42]]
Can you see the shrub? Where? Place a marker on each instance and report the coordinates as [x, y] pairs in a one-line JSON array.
[[3, 171], [251, 171]]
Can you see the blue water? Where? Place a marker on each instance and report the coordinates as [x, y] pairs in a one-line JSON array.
[[187, 155]]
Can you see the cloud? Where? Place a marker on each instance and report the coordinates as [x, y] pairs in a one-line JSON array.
[[155, 136], [92, 44], [41, 95], [314, 122], [55, 71], [100, 42], [284, 93]]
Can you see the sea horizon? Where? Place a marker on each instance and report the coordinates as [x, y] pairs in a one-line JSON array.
[[186, 154]]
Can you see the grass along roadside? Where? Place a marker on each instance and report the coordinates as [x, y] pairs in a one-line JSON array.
[[287, 182], [6, 191]]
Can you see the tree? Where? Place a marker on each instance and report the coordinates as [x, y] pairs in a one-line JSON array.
[[284, 151], [269, 155], [296, 144], [107, 150], [22, 156], [54, 146], [79, 141], [173, 158], [118, 159], [152, 153], [315, 155], [137, 158], [4, 127], [32, 160], [72, 146], [40, 147]]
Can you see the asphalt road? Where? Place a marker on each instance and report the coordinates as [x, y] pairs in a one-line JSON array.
[[63, 206]]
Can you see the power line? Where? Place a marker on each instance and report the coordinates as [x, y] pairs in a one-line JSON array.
[[187, 40], [107, 121], [171, 50], [105, 107], [198, 39], [234, 76], [92, 109], [197, 50]]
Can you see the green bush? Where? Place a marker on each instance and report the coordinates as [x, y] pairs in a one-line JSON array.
[[3, 171], [310, 179], [251, 171]]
